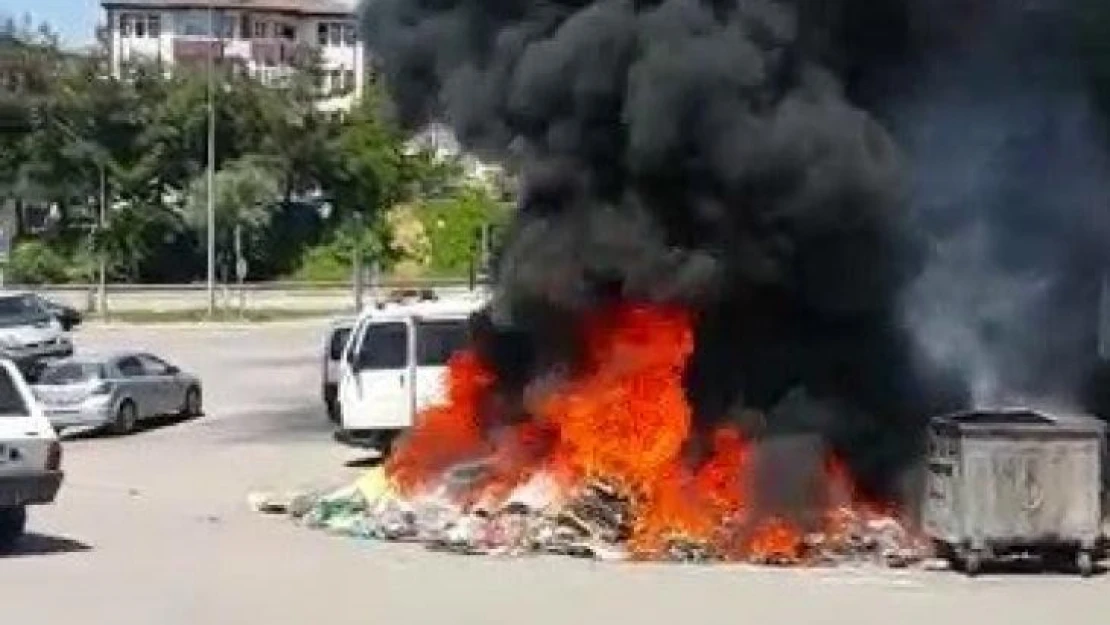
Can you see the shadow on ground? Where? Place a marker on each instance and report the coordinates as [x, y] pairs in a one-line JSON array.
[[44, 545], [303, 421], [146, 425], [371, 459], [1035, 566]]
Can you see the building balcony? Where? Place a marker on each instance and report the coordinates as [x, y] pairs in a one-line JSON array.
[[197, 50]]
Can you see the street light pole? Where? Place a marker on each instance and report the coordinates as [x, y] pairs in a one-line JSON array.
[[356, 264], [102, 270], [211, 167]]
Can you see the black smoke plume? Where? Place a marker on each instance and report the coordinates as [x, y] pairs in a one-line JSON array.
[[1010, 186], [722, 154]]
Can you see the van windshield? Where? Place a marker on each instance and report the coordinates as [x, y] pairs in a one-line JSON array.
[[437, 341], [383, 346]]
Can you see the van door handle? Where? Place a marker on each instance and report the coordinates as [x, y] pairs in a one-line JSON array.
[[401, 379]]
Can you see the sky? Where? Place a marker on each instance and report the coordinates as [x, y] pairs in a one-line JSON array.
[[74, 20]]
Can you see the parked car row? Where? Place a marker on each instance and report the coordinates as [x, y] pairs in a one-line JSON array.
[[47, 386]]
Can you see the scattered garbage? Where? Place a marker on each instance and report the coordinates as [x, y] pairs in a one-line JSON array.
[[595, 522]]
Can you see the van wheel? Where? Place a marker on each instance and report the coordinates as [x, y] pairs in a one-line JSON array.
[[385, 441], [13, 521], [127, 416]]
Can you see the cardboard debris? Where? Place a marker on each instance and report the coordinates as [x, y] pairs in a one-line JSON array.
[[594, 522]]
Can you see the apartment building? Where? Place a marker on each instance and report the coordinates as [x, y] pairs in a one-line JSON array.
[[263, 37]]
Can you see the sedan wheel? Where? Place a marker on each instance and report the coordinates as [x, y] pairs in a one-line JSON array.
[[127, 416], [193, 406]]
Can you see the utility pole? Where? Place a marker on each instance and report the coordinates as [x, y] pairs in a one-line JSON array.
[[240, 268], [102, 261], [211, 165], [356, 265], [103, 161]]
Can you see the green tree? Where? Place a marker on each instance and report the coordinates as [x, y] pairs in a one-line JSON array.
[[367, 172], [451, 225], [246, 190]]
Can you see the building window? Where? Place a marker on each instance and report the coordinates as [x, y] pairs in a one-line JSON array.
[[192, 24], [125, 24], [260, 29], [349, 79], [154, 26], [350, 35], [287, 31], [335, 32], [140, 26], [244, 27], [322, 34]]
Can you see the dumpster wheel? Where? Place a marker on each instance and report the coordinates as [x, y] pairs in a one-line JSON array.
[[972, 562], [1085, 563]]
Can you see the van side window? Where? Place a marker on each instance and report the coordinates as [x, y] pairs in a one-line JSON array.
[[437, 341], [383, 346]]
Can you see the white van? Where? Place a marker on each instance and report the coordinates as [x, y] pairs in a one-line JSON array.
[[393, 365]]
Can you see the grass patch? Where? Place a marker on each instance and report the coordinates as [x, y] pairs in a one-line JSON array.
[[200, 315]]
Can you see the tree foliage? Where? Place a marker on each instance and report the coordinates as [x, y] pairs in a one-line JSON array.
[[304, 185]]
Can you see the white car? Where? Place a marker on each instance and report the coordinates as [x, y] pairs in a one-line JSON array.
[[393, 366], [30, 334], [30, 454]]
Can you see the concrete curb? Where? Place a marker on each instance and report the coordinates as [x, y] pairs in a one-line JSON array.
[[94, 324]]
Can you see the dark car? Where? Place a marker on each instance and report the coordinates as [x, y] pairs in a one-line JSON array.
[[68, 316]]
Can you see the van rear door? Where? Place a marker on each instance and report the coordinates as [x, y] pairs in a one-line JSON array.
[[374, 390], [437, 339]]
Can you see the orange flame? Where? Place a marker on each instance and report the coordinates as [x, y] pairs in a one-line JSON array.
[[623, 418]]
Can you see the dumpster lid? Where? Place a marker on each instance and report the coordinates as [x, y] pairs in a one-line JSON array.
[[1017, 418]]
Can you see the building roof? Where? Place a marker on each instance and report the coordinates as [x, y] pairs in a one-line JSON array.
[[302, 7]]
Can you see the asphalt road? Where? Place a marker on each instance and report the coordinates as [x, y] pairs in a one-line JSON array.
[[153, 529]]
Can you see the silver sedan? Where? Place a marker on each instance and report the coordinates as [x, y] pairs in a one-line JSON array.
[[115, 391]]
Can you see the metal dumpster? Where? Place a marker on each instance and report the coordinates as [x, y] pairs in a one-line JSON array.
[[1008, 481]]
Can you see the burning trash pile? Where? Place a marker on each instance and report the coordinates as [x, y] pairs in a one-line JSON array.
[[710, 223], [602, 470]]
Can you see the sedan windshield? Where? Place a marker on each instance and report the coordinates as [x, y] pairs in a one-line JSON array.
[[20, 309], [72, 373]]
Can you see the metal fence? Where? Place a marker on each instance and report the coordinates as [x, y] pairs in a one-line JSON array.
[[280, 297]]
